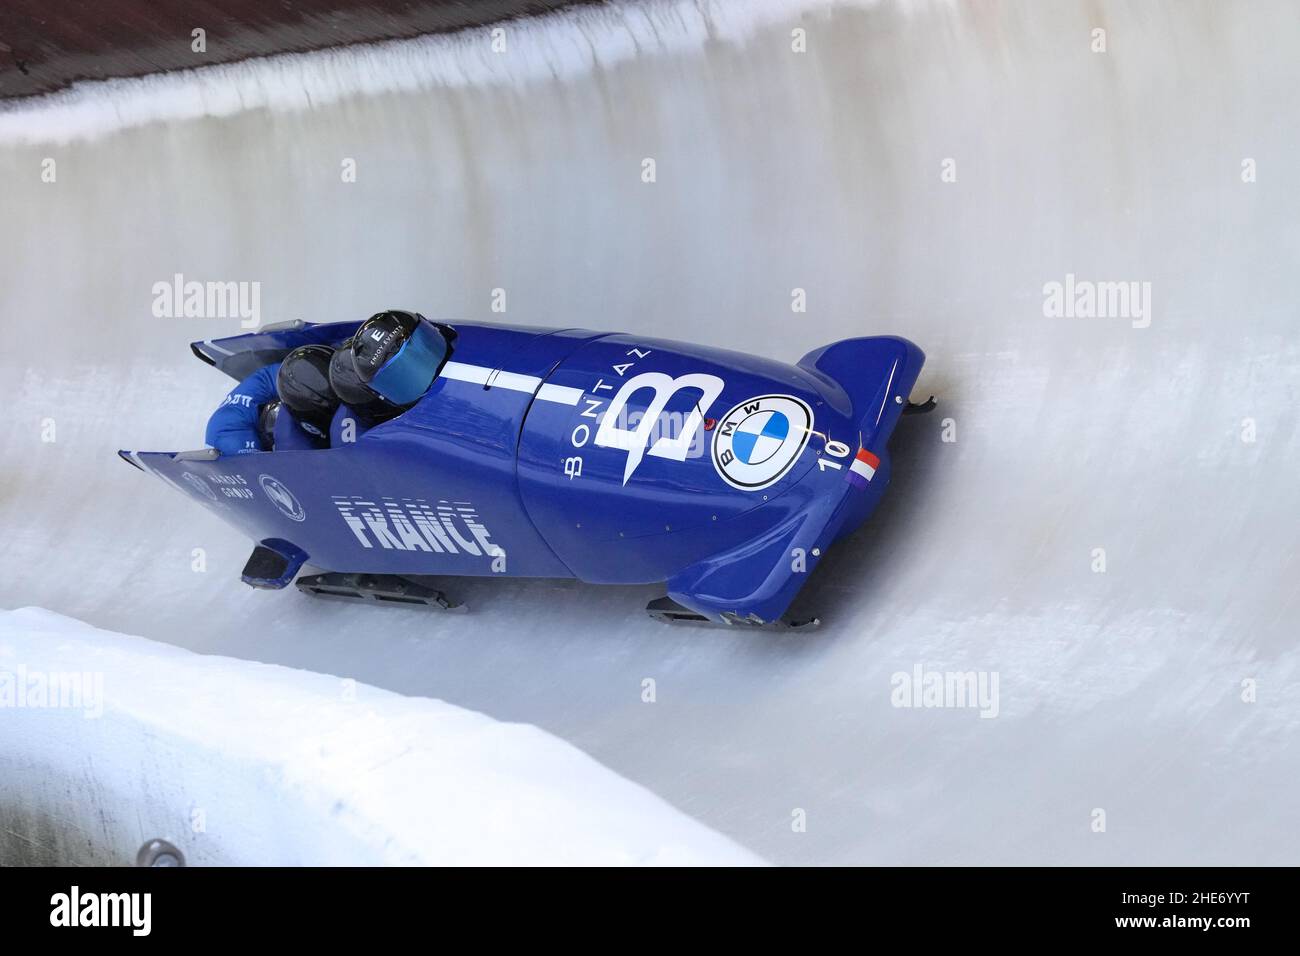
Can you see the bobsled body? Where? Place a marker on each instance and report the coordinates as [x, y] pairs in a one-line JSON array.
[[566, 453]]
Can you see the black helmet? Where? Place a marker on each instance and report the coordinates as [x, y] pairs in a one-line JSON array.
[[266, 416], [397, 355], [304, 386], [352, 391]]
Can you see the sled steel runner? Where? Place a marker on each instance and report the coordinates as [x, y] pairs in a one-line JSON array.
[[668, 611], [274, 562], [376, 589]]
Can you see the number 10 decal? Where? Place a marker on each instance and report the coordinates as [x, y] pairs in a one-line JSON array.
[[836, 448]]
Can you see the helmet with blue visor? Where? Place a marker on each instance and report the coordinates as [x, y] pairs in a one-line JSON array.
[[397, 356]]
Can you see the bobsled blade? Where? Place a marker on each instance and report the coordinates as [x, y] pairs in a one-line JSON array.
[[920, 408], [668, 611], [376, 588]]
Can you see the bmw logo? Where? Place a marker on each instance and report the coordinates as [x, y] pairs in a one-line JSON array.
[[282, 498], [759, 440]]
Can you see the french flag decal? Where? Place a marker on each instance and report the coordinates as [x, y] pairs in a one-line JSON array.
[[863, 468]]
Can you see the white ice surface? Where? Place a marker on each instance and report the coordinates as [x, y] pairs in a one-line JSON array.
[[776, 170], [238, 762]]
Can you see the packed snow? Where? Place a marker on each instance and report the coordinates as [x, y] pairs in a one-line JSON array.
[[108, 741]]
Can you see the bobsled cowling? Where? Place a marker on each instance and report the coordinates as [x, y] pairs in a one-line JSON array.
[[727, 540], [610, 458]]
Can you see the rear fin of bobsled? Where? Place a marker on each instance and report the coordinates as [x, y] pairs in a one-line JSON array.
[[869, 380], [135, 458], [129, 458]]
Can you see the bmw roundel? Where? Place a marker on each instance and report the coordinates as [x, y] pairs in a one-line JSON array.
[[760, 439]]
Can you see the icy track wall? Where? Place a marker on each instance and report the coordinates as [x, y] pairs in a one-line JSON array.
[[112, 741], [1110, 533]]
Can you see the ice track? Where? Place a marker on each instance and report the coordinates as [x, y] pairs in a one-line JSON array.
[[824, 171]]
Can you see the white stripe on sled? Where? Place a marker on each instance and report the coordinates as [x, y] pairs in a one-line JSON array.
[[478, 374], [888, 385], [216, 348], [562, 394], [513, 381]]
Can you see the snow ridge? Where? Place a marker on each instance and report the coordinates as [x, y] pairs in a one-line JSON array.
[[553, 46]]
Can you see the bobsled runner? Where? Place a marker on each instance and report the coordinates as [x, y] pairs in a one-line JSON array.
[[609, 458]]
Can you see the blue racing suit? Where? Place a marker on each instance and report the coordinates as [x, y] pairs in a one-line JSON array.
[[232, 429]]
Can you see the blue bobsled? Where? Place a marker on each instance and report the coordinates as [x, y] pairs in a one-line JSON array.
[[613, 459]]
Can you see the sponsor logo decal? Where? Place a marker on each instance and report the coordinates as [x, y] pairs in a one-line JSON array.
[[759, 440], [282, 497], [242, 401], [634, 441], [231, 486], [199, 485], [415, 524], [614, 427]]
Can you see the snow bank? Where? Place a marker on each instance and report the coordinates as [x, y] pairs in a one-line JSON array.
[[107, 741], [553, 46]]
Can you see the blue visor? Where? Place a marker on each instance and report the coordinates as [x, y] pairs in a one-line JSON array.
[[408, 374]]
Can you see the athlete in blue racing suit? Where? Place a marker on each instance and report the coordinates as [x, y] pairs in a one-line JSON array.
[[233, 427], [382, 370]]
